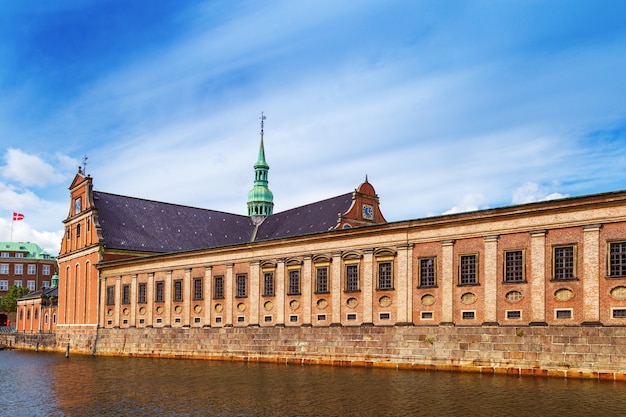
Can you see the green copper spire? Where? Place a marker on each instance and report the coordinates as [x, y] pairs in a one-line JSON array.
[[260, 198]]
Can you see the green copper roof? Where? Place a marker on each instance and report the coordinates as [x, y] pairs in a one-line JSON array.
[[260, 198], [33, 251]]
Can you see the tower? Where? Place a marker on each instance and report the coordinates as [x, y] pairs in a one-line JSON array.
[[260, 198]]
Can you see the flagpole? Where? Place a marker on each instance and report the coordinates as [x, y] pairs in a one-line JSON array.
[[12, 221]]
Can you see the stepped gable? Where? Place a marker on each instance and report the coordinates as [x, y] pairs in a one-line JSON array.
[[311, 218], [143, 225]]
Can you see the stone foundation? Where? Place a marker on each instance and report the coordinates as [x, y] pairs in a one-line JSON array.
[[573, 352]]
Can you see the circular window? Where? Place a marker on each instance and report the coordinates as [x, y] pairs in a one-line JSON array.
[[468, 298], [268, 305], [384, 301], [619, 292], [322, 303], [142, 310], [178, 309], [241, 307], [352, 302], [219, 307], [428, 299], [197, 308], [513, 296], [294, 304], [125, 311], [563, 294], [159, 310], [109, 312]]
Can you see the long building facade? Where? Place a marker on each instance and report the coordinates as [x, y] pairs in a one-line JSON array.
[[132, 266]]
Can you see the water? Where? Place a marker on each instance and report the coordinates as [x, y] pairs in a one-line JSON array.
[[48, 384]]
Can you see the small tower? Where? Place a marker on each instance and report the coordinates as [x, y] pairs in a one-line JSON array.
[[260, 198]]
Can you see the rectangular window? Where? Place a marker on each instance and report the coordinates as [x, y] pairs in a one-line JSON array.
[[241, 319], [617, 259], [514, 266], [46, 284], [110, 295], [294, 282], [427, 272], [468, 270], [218, 287], [321, 317], [268, 284], [30, 284], [427, 315], [4, 285], [563, 314], [31, 269], [19, 255], [46, 270], [4, 255], [267, 319], [385, 316], [141, 299], [4, 269], [242, 285], [385, 281], [197, 288], [17, 283], [126, 294], [19, 269], [178, 290], [619, 313], [564, 266], [468, 315], [351, 316], [352, 278], [513, 315], [321, 280], [293, 318], [159, 292]]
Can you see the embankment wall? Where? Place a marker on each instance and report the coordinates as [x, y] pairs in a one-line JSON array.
[[573, 352]]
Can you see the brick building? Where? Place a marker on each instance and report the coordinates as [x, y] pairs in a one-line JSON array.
[[128, 263], [24, 264]]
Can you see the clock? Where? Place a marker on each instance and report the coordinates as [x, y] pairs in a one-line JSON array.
[[368, 212]]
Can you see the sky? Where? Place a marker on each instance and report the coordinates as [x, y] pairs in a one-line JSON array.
[[445, 106]]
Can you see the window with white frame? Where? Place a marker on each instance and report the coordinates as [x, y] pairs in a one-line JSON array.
[[4, 285], [31, 269], [31, 284], [17, 283], [18, 269], [45, 270], [4, 269]]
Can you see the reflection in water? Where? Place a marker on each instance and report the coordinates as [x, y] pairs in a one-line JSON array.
[[44, 384]]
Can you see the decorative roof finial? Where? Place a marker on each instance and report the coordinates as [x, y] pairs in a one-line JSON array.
[[262, 123]]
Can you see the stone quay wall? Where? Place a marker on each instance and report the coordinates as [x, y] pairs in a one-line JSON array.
[[571, 352]]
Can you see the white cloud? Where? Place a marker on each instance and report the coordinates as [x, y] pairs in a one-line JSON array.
[[21, 231], [28, 170], [531, 192], [469, 202]]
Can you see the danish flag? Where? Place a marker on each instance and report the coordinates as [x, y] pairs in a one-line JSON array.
[[18, 216]]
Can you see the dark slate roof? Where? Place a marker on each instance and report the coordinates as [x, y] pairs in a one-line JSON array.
[[50, 292], [311, 218], [144, 225]]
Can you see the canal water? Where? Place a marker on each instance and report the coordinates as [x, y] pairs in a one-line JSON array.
[[48, 384]]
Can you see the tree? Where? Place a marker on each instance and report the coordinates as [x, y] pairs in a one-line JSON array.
[[9, 301]]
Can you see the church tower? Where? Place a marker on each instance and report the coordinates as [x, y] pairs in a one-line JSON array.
[[260, 198]]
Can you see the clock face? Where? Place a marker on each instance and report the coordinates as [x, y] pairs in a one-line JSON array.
[[368, 212]]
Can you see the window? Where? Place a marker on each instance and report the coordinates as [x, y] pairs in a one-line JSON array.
[[513, 315], [126, 294], [426, 315], [563, 314], [218, 287], [19, 255], [110, 295], [77, 205], [468, 268], [178, 290], [4, 269], [4, 285], [46, 270], [197, 288], [294, 282], [385, 281], [352, 277], [564, 265], [351, 316], [468, 315], [619, 313], [78, 230], [17, 283], [142, 293], [159, 292], [268, 284], [46, 284], [31, 269], [514, 266], [19, 269], [242, 285], [321, 280], [617, 259], [385, 316], [427, 272], [4, 255], [30, 284]]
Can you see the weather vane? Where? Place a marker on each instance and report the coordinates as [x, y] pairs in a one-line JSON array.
[[262, 122], [85, 164]]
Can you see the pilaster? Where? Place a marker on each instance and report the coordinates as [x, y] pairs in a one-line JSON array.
[[490, 280], [447, 281]]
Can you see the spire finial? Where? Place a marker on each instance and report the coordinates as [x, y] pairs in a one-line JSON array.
[[262, 123]]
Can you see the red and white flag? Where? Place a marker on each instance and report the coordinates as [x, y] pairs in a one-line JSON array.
[[18, 216]]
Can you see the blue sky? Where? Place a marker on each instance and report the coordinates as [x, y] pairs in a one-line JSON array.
[[446, 106]]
